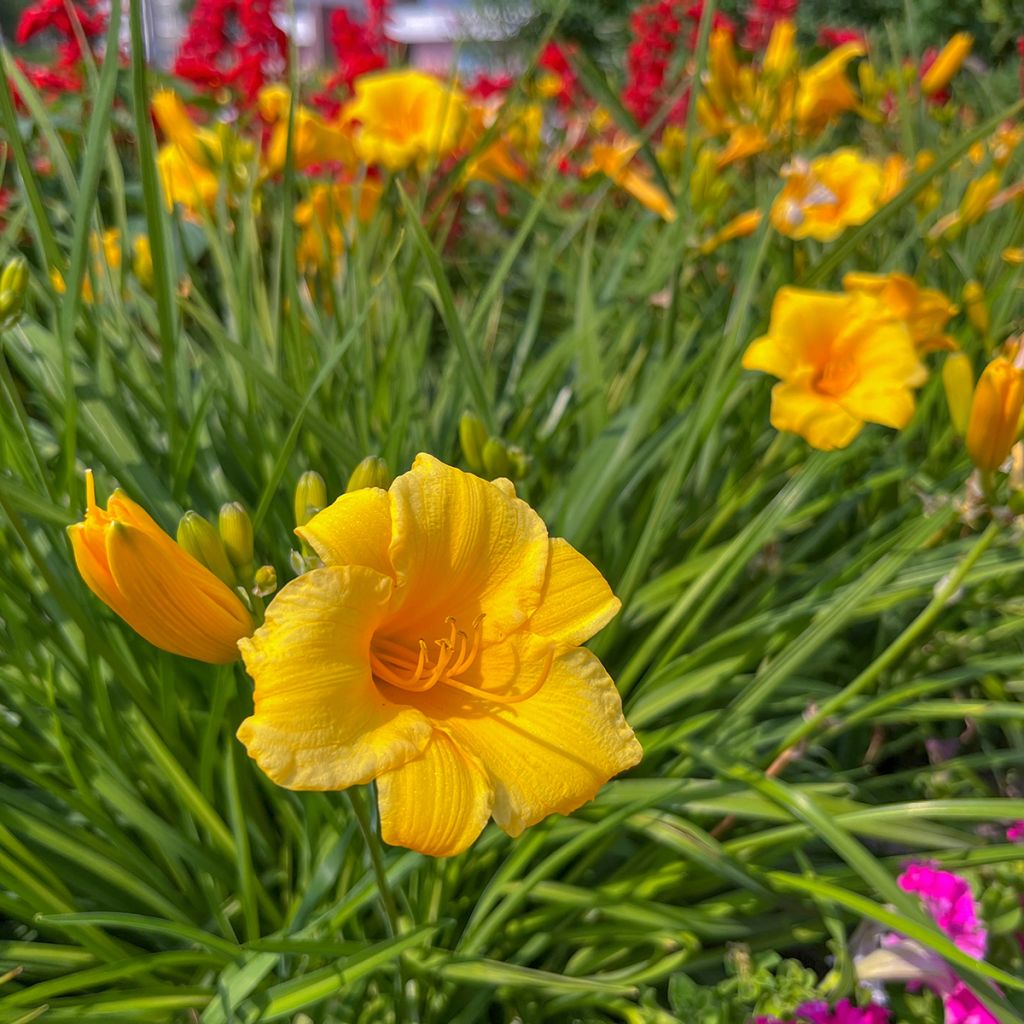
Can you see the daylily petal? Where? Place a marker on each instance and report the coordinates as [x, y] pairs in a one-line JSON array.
[[576, 601], [437, 803], [320, 722], [461, 547], [187, 611], [821, 421], [551, 752], [355, 530]]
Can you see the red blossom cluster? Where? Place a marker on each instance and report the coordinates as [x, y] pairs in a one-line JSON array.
[[1020, 51], [761, 18], [555, 61], [232, 44], [485, 87], [59, 17], [360, 47], [832, 36], [657, 28]]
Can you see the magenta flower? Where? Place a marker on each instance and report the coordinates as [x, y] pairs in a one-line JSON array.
[[844, 1012], [947, 897], [964, 1007], [1015, 833]]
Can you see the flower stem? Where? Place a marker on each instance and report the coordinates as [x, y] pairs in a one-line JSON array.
[[357, 799]]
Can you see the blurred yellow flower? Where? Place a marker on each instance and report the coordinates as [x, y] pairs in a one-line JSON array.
[[976, 307], [740, 226], [152, 583], [824, 89], [438, 652], [978, 194], [314, 139], [105, 252], [994, 423], [510, 155], [184, 181], [405, 118], [1014, 255], [142, 261], [925, 311], [949, 61], [615, 161], [842, 360], [822, 198], [328, 219]]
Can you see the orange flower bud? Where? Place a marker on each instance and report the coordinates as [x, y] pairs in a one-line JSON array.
[[152, 583], [949, 61], [995, 414]]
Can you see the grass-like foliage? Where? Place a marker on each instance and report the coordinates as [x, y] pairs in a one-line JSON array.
[[820, 651]]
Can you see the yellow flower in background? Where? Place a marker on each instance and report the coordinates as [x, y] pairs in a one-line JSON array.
[[994, 422], [978, 194], [200, 145], [925, 311], [741, 226], [949, 61], [105, 252], [822, 198], [976, 307], [438, 652], [315, 140], [185, 182], [745, 141], [142, 261], [1014, 255], [328, 218], [615, 161], [825, 91], [152, 583], [405, 118], [842, 361], [510, 155]]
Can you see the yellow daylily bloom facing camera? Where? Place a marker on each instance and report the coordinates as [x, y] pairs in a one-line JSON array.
[[438, 652], [154, 584], [842, 360]]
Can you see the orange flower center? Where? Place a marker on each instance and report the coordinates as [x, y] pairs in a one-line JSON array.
[[836, 377], [416, 669]]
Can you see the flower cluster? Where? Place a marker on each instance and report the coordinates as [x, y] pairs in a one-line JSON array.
[[844, 1012]]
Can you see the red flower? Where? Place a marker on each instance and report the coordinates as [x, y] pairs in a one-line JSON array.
[[555, 60], [53, 15], [831, 37], [484, 86], [761, 18]]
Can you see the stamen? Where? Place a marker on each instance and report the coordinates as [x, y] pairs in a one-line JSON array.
[[506, 698]]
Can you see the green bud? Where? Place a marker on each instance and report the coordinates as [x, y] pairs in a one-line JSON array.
[[472, 437], [496, 458], [202, 542], [520, 462], [235, 528], [310, 496], [371, 472], [265, 581], [13, 282]]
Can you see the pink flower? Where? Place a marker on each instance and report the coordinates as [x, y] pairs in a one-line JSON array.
[[844, 1012], [1015, 833], [964, 1007], [947, 897]]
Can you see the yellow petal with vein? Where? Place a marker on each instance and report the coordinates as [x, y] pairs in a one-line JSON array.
[[355, 530], [576, 601], [437, 803]]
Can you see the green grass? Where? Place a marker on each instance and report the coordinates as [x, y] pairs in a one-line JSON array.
[[828, 610]]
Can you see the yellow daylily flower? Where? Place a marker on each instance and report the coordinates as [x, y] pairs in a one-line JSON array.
[[949, 61], [741, 226], [142, 261], [405, 118], [438, 652], [152, 583], [200, 145], [842, 360], [314, 141], [994, 422], [822, 198], [976, 307], [105, 252], [328, 218], [824, 90], [925, 311], [615, 161], [977, 196], [184, 181]]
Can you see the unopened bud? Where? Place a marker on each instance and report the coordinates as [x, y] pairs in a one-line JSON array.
[[958, 382], [976, 307], [235, 528], [203, 543], [472, 437], [142, 261], [520, 462], [496, 458], [310, 496], [265, 581], [977, 196], [13, 280], [371, 472]]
